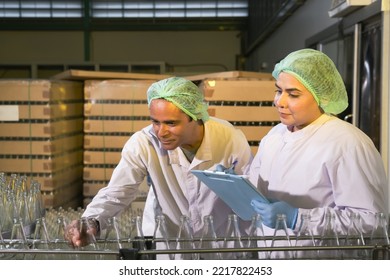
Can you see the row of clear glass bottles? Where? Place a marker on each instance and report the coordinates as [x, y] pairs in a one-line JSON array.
[[19, 201], [25, 226], [125, 231], [20, 206], [330, 244]]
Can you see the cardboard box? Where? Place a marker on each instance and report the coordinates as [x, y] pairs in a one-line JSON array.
[[114, 126], [46, 164], [233, 90], [244, 113], [105, 141], [55, 180], [97, 173], [63, 196], [41, 129], [121, 110], [40, 90], [88, 75], [51, 111], [254, 133], [101, 157], [95, 90], [41, 147], [234, 75]]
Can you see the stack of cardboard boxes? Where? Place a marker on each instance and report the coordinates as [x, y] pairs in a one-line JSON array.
[[41, 136], [69, 134], [114, 110]]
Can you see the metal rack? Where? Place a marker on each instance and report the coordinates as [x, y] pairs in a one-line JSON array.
[[144, 249]]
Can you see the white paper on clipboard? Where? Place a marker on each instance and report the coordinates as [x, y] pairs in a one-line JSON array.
[[235, 190]]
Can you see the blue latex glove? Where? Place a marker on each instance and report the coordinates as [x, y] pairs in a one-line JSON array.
[[268, 212]]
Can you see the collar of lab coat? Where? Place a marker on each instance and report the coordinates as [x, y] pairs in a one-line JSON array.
[[289, 136]]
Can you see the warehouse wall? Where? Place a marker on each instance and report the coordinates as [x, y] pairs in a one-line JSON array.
[[310, 19], [176, 48], [39, 46], [191, 51]]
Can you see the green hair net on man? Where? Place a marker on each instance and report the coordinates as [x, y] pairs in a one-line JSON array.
[[317, 72], [182, 93]]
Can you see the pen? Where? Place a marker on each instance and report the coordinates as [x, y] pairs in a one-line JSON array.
[[230, 170]]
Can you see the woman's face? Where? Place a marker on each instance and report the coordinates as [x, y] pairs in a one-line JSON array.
[[173, 127], [296, 105]]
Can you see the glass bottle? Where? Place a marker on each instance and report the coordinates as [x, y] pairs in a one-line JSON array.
[[58, 240], [24, 211], [185, 240], [209, 240], [161, 237], [3, 246], [354, 237], [124, 222], [3, 211], [379, 235], [35, 202], [329, 238], [21, 187], [18, 240], [3, 180], [112, 239], [41, 240], [85, 230], [12, 183], [232, 239], [136, 237], [281, 239], [305, 237], [256, 238], [11, 209]]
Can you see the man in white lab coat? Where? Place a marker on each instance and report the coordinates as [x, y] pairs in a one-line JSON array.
[[181, 138]]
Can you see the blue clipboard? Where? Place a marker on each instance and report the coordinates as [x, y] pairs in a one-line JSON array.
[[235, 190]]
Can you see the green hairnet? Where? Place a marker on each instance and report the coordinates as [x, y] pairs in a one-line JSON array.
[[317, 72], [182, 93]]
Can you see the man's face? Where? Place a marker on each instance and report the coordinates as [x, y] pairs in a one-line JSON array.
[[172, 126]]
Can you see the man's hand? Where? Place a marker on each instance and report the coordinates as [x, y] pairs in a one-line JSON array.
[[81, 232]]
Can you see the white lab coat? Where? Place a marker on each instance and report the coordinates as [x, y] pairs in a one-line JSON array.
[[330, 164], [178, 190]]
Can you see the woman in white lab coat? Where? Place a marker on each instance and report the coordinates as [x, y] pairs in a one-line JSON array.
[[313, 162]]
